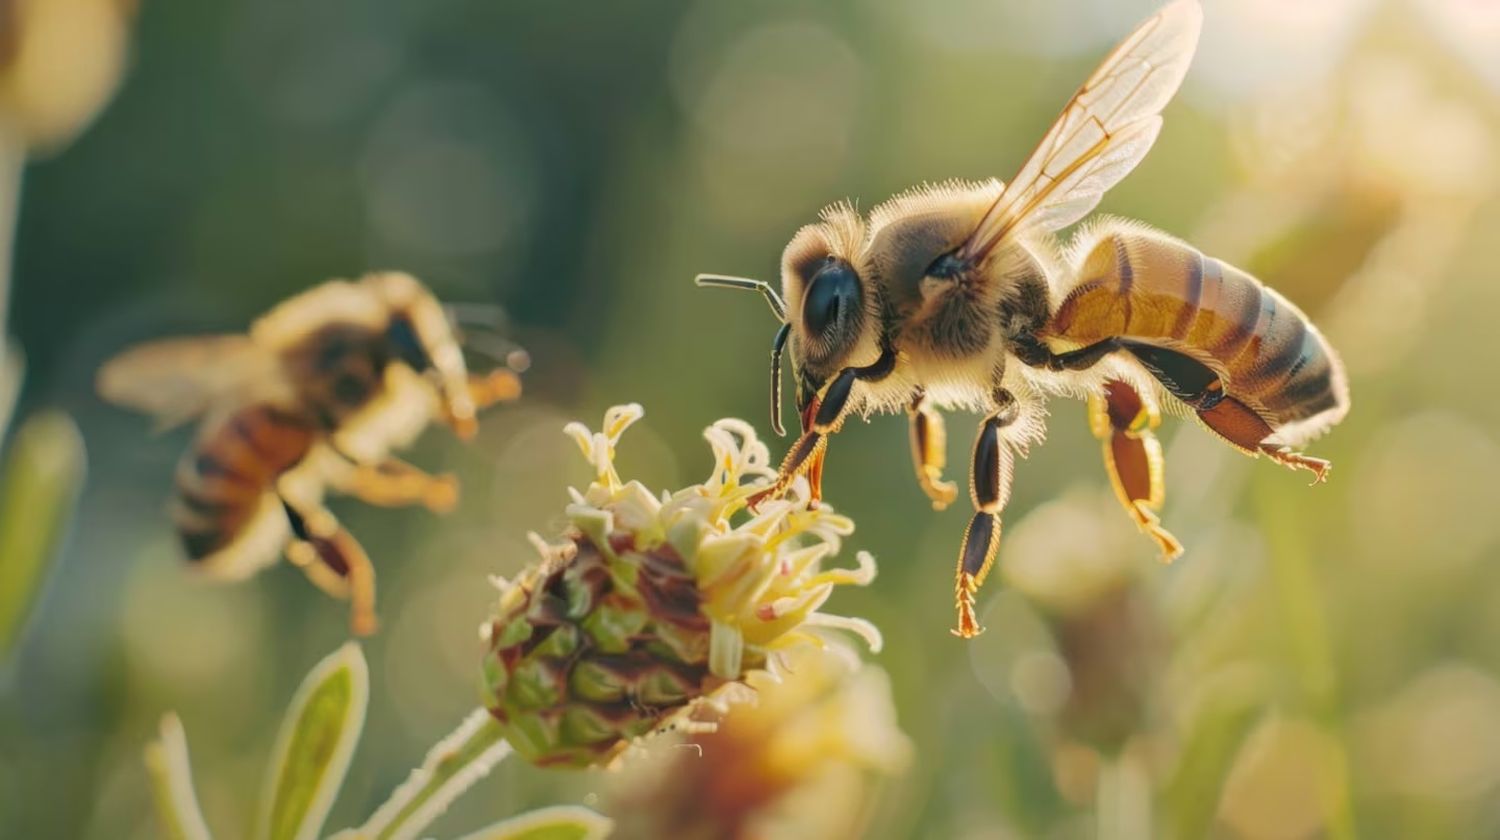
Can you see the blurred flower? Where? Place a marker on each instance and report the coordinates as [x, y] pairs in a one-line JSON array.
[[1363, 176], [1086, 652], [1470, 29], [1438, 737], [805, 760], [1254, 47], [60, 61], [1283, 783], [1075, 560], [657, 604]]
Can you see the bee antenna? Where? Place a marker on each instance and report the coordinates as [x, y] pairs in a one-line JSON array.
[[497, 348], [777, 345], [724, 281], [476, 314]]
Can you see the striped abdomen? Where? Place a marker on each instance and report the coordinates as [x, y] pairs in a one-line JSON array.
[[226, 511], [1204, 326]]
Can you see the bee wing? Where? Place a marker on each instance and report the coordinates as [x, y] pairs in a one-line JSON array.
[[177, 379], [1105, 130]]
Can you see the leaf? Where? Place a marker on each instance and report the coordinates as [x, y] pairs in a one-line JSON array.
[[12, 365], [561, 822], [38, 487], [450, 768], [172, 784], [313, 749]]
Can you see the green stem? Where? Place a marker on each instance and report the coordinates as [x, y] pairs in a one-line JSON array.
[[1122, 799], [451, 767], [1304, 615]]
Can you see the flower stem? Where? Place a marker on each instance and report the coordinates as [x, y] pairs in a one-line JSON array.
[[451, 767], [1122, 799]]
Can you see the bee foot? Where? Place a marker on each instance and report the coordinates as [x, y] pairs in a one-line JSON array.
[[442, 494]]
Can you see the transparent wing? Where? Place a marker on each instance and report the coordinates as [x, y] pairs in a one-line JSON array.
[[177, 379], [1101, 135]]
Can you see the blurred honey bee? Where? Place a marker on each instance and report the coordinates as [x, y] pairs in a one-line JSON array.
[[957, 295], [315, 396]]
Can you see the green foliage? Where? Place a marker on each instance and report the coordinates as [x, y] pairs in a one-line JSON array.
[[451, 767], [317, 741], [39, 483], [319, 733], [178, 814], [562, 822]]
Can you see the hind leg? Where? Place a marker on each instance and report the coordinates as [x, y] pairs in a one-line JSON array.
[[1124, 422], [332, 559], [1245, 430], [1224, 414], [1195, 384]]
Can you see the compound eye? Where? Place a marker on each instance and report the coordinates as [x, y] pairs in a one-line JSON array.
[[402, 335], [832, 294]]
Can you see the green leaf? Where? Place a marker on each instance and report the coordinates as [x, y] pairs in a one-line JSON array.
[[38, 487], [172, 784], [562, 822], [316, 742]]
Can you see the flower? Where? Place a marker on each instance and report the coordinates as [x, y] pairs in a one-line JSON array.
[[656, 605], [805, 760], [60, 61]]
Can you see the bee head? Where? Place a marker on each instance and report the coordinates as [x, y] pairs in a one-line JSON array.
[[420, 336], [824, 308], [830, 308]]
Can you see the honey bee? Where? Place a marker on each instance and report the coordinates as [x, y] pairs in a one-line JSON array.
[[956, 295], [314, 397]]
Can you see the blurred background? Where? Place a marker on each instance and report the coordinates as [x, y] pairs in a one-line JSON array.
[[1322, 663]]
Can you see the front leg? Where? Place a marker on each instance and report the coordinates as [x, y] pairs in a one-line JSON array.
[[393, 482], [820, 418], [1124, 422], [929, 444], [484, 390], [989, 489], [499, 385]]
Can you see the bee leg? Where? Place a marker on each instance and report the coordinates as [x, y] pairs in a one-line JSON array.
[[499, 385], [989, 489], [1031, 351], [1223, 413], [393, 482], [1236, 423], [929, 443], [333, 560], [806, 455], [1124, 421], [820, 418]]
